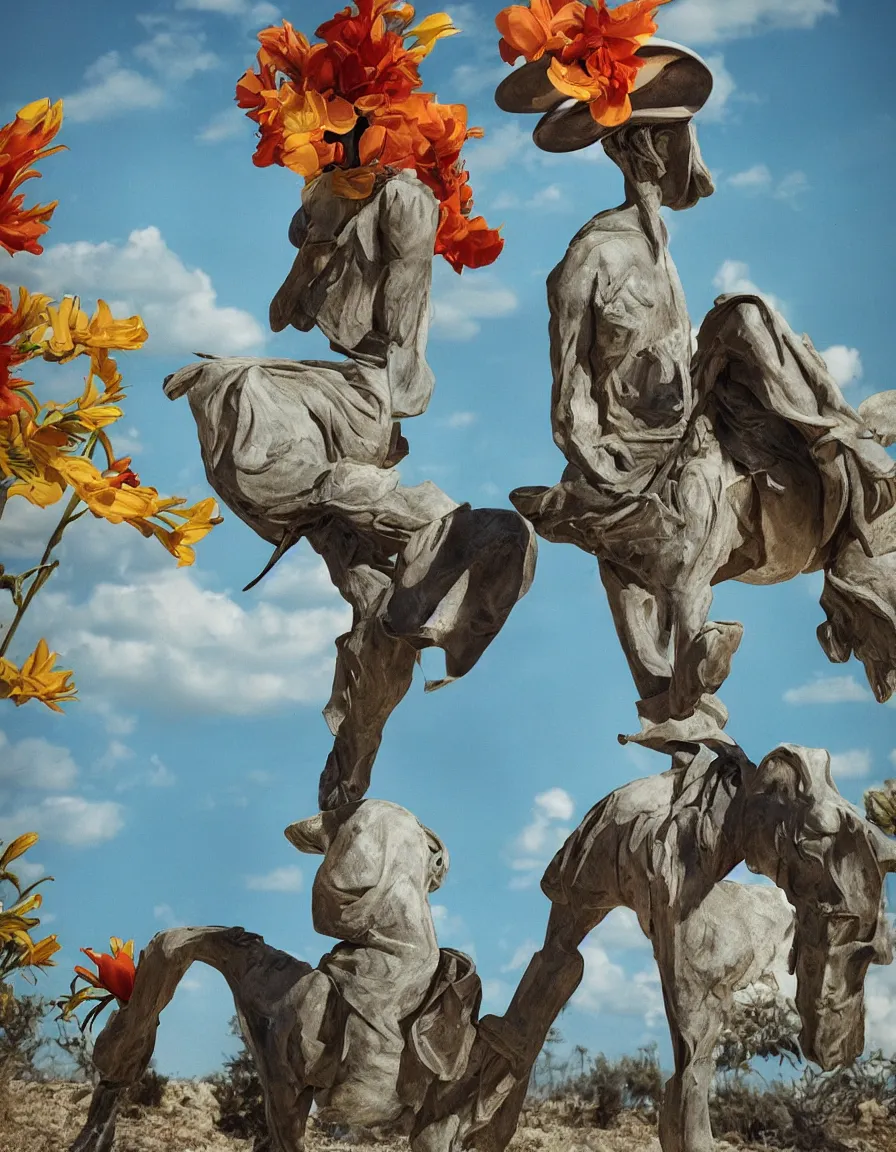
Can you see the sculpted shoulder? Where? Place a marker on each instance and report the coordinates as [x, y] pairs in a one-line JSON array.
[[605, 248]]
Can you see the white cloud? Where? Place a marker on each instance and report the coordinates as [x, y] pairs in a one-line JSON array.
[[548, 199], [844, 364], [68, 820], [734, 276], [755, 179], [36, 763], [541, 837], [224, 126], [714, 21], [622, 930], [461, 306], [893, 757], [496, 995], [178, 305], [160, 775], [792, 186], [162, 637], [116, 753], [828, 690], [111, 90], [854, 765], [177, 55], [521, 956], [608, 988], [471, 79], [288, 879], [724, 86], [164, 913], [495, 151], [261, 12], [461, 419]]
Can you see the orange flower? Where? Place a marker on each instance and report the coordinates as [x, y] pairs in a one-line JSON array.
[[593, 48], [354, 101], [115, 973], [22, 143], [16, 346]]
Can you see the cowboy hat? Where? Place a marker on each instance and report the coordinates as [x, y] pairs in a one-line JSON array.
[[673, 85]]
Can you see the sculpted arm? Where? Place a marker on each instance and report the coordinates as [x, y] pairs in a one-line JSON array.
[[593, 330]]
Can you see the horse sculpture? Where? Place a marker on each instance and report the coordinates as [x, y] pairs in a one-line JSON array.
[[384, 1032], [661, 846]]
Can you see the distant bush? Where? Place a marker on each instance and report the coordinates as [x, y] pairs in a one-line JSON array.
[[240, 1099]]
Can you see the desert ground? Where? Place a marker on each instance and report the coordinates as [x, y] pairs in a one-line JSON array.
[[45, 1117]]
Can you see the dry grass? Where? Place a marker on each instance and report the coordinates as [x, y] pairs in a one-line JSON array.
[[45, 1117]]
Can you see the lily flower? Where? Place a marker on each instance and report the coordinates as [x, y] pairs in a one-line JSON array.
[[37, 680], [22, 143], [74, 334], [115, 973]]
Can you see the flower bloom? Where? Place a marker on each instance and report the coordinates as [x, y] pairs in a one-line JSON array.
[[115, 973], [36, 680], [353, 101], [22, 143], [592, 48]]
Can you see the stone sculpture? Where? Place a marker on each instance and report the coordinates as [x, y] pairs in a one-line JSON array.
[[661, 846], [741, 461], [732, 456], [308, 449], [384, 1015]]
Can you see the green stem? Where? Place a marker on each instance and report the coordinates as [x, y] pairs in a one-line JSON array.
[[38, 583], [44, 571]]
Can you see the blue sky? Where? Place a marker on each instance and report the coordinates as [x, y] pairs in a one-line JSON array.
[[161, 797]]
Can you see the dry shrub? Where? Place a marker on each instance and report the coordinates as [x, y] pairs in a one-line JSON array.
[[240, 1099], [598, 1096]]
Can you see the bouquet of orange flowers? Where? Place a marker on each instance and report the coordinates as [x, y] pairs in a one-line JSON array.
[[353, 102], [592, 48]]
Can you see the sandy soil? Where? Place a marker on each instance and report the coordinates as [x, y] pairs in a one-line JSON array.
[[47, 1117]]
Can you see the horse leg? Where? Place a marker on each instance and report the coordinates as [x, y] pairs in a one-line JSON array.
[[695, 1019], [497, 1092]]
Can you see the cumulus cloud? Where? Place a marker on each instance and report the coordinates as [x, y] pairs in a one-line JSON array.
[[110, 89], [755, 179], [792, 186], [68, 820], [734, 276], [36, 763], [521, 956], [714, 21], [541, 837], [622, 930], [179, 305], [288, 879], [844, 364], [461, 420], [161, 636], [854, 765], [724, 87], [177, 55], [608, 988], [828, 690], [460, 306], [548, 199], [224, 125], [250, 9]]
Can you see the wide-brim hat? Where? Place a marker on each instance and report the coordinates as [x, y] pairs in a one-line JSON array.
[[674, 84]]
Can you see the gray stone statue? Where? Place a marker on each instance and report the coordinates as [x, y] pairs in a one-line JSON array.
[[308, 449], [740, 461], [662, 847], [384, 1015]]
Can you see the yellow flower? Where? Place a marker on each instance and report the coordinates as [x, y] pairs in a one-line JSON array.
[[428, 31], [199, 521], [74, 334], [101, 495], [28, 454], [39, 955], [36, 680], [18, 848]]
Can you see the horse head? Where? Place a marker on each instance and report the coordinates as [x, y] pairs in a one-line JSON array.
[[832, 865]]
